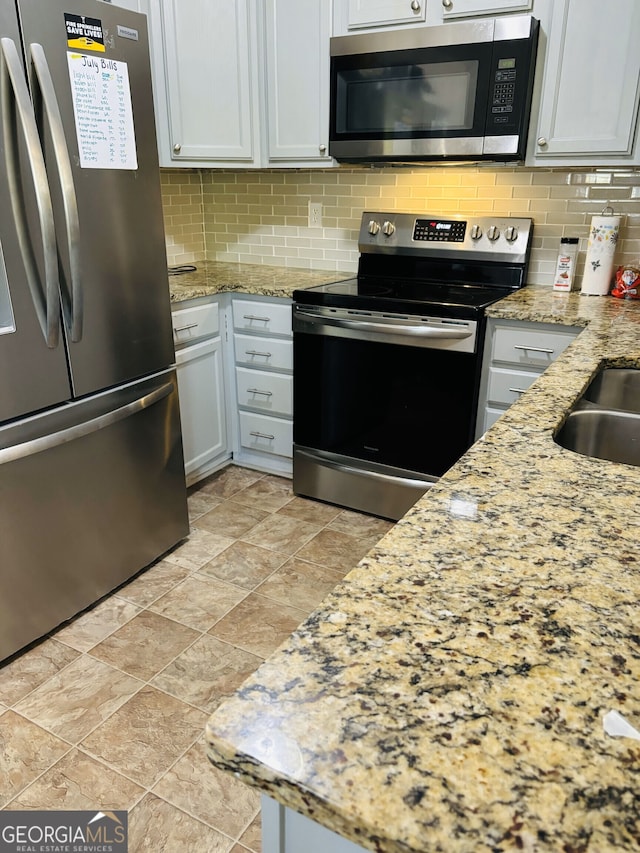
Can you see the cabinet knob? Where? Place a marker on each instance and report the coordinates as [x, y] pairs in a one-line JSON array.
[[415, 6], [322, 149], [542, 142], [177, 148], [447, 4]]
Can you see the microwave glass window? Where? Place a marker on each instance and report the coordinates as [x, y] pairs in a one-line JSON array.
[[408, 99]]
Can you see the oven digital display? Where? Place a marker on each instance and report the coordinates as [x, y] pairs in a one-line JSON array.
[[440, 230]]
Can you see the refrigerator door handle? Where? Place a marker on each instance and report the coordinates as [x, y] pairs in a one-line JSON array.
[[55, 439], [65, 175], [16, 100]]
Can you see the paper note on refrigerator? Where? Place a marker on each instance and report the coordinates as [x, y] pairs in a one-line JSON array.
[[103, 112]]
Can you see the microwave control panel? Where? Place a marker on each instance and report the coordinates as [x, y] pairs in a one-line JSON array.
[[504, 88]]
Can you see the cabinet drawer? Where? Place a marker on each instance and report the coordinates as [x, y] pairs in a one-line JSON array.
[[195, 322], [506, 386], [267, 392], [264, 317], [528, 346], [263, 352], [270, 435]]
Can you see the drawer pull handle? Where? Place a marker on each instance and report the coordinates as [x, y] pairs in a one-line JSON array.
[[255, 352], [517, 390], [253, 317], [534, 349], [258, 391], [262, 435], [186, 328]]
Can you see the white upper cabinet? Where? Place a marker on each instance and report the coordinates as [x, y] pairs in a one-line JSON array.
[[474, 8], [352, 15], [241, 83], [590, 90]]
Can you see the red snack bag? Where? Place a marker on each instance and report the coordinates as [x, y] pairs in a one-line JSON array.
[[627, 283]]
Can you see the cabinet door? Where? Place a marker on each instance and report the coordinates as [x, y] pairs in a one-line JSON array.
[[202, 410], [372, 13], [297, 57], [208, 50], [469, 8], [589, 104]]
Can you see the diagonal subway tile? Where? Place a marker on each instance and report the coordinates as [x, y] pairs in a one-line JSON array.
[[77, 699], [311, 511], [206, 672], [198, 549], [281, 533], [229, 481], [198, 601], [268, 494], [88, 629], [300, 584], [153, 583], [158, 827], [217, 798], [258, 625], [79, 782], [230, 518], [146, 735], [145, 645], [335, 550], [27, 671], [244, 564], [26, 751]]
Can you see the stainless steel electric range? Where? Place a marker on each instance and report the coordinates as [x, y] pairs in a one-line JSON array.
[[387, 364]]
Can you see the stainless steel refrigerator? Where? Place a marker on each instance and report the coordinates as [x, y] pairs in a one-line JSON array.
[[92, 484]]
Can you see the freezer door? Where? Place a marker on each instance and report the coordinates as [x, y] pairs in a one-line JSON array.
[[33, 368], [88, 65], [90, 493]]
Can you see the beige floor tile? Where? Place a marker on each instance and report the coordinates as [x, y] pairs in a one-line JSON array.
[[281, 533], [199, 503], [26, 751], [198, 549], [244, 564], [335, 550], [146, 735], [152, 583], [77, 699], [78, 781], [230, 518], [89, 628], [269, 494], [300, 584], [252, 836], [311, 511], [27, 671], [214, 797], [258, 625], [145, 645], [360, 525], [229, 481], [199, 601], [158, 827], [239, 848], [206, 672]]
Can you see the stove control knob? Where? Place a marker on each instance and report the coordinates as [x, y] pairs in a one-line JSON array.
[[388, 228], [511, 233], [476, 232], [374, 227], [493, 233]]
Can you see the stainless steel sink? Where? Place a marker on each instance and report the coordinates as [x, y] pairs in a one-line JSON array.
[[603, 434], [615, 388]]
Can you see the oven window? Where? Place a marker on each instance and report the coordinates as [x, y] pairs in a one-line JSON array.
[[407, 407], [408, 98]]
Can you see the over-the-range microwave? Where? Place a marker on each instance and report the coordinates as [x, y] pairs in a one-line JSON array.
[[460, 91]]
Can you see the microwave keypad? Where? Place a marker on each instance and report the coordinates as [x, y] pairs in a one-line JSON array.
[[503, 92]]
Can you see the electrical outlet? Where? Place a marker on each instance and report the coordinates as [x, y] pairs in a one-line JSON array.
[[315, 214]]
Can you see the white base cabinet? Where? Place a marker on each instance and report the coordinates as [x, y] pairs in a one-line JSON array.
[[286, 831]]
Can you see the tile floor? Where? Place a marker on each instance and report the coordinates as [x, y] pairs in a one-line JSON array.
[[108, 711]]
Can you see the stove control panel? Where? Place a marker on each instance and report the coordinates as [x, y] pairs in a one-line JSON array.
[[440, 230]]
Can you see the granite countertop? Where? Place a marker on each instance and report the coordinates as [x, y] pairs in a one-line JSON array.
[[448, 695], [214, 277]]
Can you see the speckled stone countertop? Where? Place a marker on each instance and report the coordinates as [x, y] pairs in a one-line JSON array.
[[212, 277], [448, 695]]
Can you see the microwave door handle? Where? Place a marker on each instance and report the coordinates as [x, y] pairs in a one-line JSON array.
[[16, 102], [391, 328], [65, 176]]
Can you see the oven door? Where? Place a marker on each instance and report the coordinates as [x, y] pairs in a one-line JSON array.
[[393, 398]]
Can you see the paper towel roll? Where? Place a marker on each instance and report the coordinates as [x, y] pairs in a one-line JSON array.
[[598, 268]]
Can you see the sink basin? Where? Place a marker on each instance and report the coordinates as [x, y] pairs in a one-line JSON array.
[[603, 434], [615, 388]]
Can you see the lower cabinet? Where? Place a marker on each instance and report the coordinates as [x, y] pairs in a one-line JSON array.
[[515, 354], [286, 831]]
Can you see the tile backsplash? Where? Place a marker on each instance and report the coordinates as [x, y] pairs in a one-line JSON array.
[[261, 217]]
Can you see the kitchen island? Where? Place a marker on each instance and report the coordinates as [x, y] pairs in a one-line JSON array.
[[448, 695]]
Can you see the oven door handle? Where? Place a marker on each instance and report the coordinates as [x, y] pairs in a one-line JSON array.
[[393, 327]]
